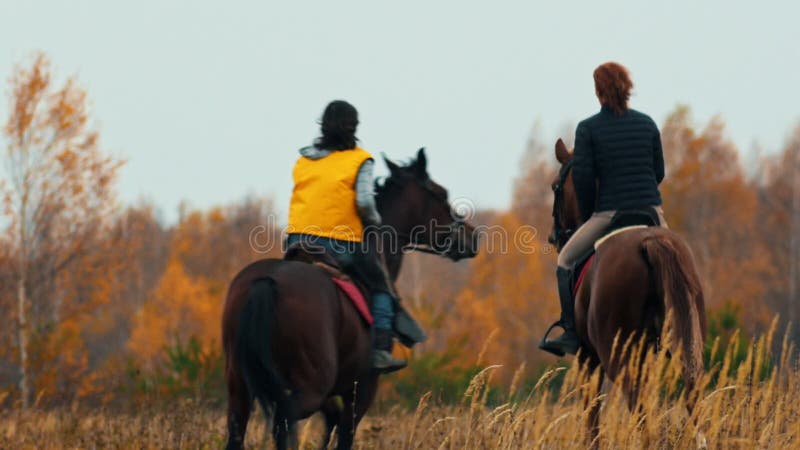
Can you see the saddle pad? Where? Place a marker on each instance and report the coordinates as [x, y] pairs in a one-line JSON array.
[[603, 239], [354, 294], [582, 275]]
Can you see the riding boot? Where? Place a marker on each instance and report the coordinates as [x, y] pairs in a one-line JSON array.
[[568, 342], [382, 358]]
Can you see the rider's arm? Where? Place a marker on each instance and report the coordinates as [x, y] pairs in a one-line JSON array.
[[583, 173], [365, 194], [658, 157]]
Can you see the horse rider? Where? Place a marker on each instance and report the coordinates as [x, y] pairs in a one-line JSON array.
[[617, 165], [332, 202]]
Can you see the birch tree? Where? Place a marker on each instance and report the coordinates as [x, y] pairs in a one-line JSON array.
[[58, 196]]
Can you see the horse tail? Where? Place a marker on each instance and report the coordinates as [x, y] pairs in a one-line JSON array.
[[254, 351], [679, 287]]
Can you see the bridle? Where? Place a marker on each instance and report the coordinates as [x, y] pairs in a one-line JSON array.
[[453, 229], [560, 235]]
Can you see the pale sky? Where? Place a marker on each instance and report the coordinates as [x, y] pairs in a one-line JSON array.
[[209, 101]]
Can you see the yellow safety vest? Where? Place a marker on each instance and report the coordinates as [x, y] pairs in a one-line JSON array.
[[324, 196]]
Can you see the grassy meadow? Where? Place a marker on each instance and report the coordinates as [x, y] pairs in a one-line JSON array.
[[754, 403]]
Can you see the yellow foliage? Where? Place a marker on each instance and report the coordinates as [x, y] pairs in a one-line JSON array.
[[181, 307], [512, 290]]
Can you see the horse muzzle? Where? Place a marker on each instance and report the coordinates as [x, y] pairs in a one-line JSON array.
[[464, 242]]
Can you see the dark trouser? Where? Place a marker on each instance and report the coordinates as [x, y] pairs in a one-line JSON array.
[[363, 263]]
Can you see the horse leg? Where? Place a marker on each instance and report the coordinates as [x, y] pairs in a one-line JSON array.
[[356, 405], [346, 428], [592, 401], [332, 412], [634, 377], [240, 403], [307, 402], [283, 430], [302, 403]]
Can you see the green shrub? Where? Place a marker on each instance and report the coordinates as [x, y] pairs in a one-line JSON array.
[[184, 371]]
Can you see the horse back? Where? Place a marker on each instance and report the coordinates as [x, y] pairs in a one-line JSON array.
[[320, 341], [619, 293]]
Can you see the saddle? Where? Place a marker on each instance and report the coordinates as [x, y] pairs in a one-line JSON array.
[[623, 220], [316, 255], [406, 328]]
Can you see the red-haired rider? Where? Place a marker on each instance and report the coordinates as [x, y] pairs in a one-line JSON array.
[[617, 165]]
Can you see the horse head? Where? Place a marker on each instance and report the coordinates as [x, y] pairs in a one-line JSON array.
[[566, 214], [418, 211]]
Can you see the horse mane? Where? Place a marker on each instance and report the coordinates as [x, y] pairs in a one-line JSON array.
[[385, 186]]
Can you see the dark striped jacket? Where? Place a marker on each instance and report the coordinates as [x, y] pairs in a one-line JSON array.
[[623, 153]]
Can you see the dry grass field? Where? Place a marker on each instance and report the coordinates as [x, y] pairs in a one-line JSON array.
[[756, 405]]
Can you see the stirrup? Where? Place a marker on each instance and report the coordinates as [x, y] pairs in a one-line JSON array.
[[558, 324], [555, 347]]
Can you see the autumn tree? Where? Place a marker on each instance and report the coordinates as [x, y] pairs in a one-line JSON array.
[[531, 199], [793, 154], [141, 246], [511, 293], [778, 185], [58, 197], [181, 307], [204, 252], [216, 243], [709, 201], [429, 287]]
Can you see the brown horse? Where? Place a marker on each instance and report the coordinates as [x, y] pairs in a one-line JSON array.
[[636, 278], [297, 345]]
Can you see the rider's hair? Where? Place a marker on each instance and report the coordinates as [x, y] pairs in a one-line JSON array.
[[338, 127], [613, 85]]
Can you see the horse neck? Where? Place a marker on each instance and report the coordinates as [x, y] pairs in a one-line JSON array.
[[392, 249]]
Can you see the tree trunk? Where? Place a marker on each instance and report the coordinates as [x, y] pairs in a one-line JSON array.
[[22, 324]]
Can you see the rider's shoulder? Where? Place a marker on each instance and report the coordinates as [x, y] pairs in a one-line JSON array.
[[589, 121], [365, 153], [313, 153], [585, 122], [641, 116], [584, 127]]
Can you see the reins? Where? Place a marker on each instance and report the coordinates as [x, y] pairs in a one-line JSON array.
[[560, 234]]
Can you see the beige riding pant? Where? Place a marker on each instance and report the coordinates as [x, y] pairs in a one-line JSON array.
[[585, 237]]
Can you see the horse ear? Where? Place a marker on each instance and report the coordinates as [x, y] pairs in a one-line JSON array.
[[421, 164], [562, 154], [393, 168]]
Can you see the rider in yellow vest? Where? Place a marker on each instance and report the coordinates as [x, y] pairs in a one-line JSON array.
[[332, 201]]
